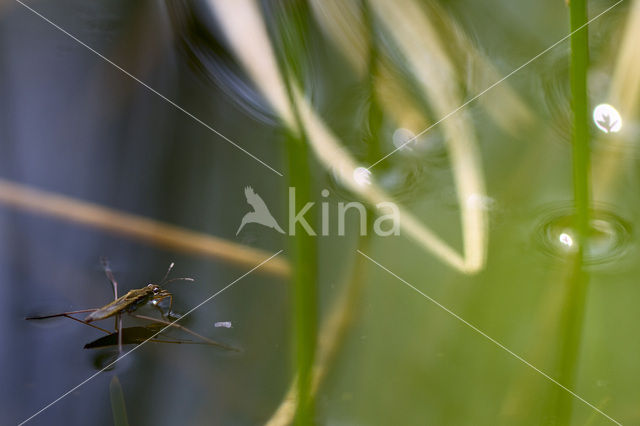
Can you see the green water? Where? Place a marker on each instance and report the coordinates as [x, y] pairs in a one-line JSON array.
[[528, 317]]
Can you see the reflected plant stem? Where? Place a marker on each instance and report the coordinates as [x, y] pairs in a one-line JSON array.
[[571, 325], [332, 334], [576, 286], [118, 408], [140, 228]]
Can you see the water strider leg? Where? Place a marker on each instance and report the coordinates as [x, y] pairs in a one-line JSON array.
[[166, 275], [114, 285], [110, 277], [68, 315], [61, 314], [168, 313], [119, 321], [86, 323]]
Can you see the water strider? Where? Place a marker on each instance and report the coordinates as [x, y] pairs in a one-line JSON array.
[[128, 303], [131, 301]]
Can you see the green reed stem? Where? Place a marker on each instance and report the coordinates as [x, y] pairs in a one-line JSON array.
[[304, 280], [580, 106], [572, 317], [290, 36]]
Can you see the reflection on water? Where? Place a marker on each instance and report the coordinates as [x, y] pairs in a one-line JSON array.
[[566, 240], [362, 176], [105, 360], [429, 149], [608, 241], [607, 118], [403, 182], [199, 39]]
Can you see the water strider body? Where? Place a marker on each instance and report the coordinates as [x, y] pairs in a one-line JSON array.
[[131, 301]]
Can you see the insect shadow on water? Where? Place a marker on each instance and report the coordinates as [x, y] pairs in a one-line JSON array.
[[128, 304]]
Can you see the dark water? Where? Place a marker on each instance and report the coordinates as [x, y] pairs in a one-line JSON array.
[[73, 124]]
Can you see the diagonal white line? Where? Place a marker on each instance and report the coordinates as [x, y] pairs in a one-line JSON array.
[[138, 346], [494, 85], [151, 89], [492, 340]]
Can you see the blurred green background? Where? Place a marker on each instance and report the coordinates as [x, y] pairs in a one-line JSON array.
[[375, 74]]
